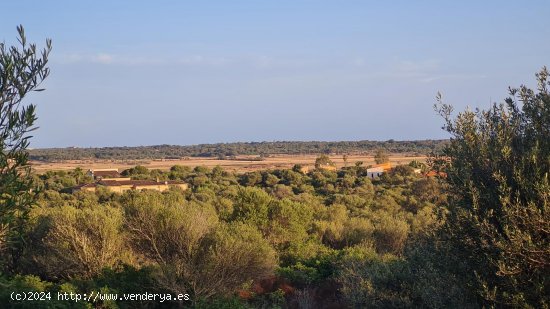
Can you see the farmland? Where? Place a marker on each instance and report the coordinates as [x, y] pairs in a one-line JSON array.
[[238, 164]]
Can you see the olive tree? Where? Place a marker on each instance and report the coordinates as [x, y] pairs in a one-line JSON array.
[[499, 186], [22, 70]]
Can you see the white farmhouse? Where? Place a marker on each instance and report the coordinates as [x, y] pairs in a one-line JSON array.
[[375, 172]]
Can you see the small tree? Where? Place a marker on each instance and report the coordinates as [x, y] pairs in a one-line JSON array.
[[22, 70], [323, 161], [381, 156]]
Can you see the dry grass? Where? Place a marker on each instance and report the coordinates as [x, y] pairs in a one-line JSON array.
[[241, 164]]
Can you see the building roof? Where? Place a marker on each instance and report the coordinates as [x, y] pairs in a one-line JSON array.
[[113, 183], [375, 170], [132, 183]]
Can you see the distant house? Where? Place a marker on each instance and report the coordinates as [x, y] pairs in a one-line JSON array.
[[84, 187], [124, 184], [99, 174], [374, 172], [377, 170]]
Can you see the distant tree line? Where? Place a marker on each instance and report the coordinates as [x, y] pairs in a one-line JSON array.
[[228, 150]]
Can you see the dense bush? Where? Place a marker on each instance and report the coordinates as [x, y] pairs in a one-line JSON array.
[[77, 243]]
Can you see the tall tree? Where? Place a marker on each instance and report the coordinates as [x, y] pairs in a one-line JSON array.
[[22, 70], [498, 176]]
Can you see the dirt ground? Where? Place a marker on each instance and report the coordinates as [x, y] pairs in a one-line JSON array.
[[239, 164]]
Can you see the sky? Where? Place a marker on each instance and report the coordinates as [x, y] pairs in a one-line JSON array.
[[129, 73]]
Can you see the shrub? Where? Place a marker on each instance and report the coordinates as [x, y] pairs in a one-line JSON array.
[[73, 242]]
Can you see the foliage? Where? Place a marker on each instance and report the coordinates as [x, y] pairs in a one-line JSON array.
[[433, 278], [26, 284], [390, 234], [169, 152], [373, 281], [498, 181], [194, 251], [226, 232], [381, 156], [22, 70], [222, 303], [323, 161], [72, 242]]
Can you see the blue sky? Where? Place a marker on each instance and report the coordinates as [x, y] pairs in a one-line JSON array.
[[126, 73]]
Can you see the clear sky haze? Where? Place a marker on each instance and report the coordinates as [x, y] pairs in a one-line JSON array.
[[128, 73]]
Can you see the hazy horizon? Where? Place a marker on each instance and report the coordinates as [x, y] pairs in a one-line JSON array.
[[235, 142], [168, 72]]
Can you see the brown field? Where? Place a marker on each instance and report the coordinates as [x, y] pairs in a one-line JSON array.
[[240, 164]]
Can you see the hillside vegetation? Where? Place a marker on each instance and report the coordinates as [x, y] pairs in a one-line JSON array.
[[260, 239]]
